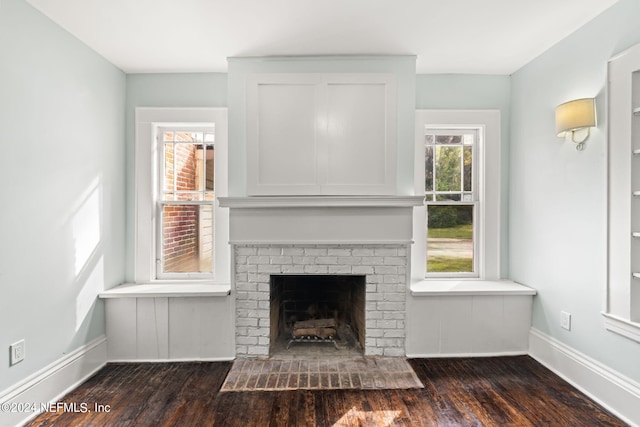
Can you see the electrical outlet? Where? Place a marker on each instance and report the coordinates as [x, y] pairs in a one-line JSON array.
[[17, 352], [565, 320]]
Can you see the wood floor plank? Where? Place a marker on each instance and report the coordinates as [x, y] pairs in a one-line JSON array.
[[500, 391]]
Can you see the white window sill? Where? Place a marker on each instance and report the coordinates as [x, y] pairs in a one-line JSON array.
[[432, 288], [621, 326], [172, 290]]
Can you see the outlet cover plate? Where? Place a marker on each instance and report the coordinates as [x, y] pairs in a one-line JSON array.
[[565, 320], [17, 352]]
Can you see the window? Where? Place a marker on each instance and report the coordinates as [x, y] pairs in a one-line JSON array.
[[451, 199], [457, 231], [181, 233], [185, 202]]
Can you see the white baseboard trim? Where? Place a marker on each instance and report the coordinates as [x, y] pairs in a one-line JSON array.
[[202, 359], [617, 393], [52, 382], [442, 355]]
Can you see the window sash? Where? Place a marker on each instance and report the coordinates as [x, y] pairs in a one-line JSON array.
[[206, 197], [160, 273], [467, 198], [475, 242], [472, 194]]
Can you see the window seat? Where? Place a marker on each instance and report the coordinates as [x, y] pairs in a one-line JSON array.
[[432, 288], [171, 290]]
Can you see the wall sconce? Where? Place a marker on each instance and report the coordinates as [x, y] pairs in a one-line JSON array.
[[574, 118]]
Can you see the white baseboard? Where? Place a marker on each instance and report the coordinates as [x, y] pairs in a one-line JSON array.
[[51, 383], [202, 359], [617, 393], [442, 355]]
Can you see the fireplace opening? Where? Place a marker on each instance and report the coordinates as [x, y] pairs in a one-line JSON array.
[[311, 313]]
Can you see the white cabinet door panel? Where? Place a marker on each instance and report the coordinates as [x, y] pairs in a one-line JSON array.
[[282, 138], [356, 136]]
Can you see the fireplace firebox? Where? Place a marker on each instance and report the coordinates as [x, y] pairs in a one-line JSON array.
[[317, 309]]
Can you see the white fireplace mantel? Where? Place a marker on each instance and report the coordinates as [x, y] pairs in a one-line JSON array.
[[320, 219], [257, 202]]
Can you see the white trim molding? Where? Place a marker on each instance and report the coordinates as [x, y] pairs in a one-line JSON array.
[[458, 287], [621, 326], [52, 382], [320, 201], [617, 393], [173, 290]]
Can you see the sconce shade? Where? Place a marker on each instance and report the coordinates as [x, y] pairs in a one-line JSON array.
[[574, 115]]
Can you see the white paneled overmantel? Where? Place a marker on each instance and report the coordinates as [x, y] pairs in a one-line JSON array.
[[321, 133], [321, 125]]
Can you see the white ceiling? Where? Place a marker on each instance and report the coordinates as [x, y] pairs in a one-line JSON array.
[[448, 36]]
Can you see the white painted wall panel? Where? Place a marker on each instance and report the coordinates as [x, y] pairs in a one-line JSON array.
[[200, 328], [152, 328], [194, 328], [424, 317], [456, 334], [516, 320], [121, 318], [356, 134], [468, 325], [487, 324], [286, 135]]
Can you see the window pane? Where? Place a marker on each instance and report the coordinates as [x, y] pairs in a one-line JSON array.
[[428, 169], [448, 165], [187, 239], [468, 158], [185, 165], [209, 186], [450, 239], [447, 197], [186, 137], [187, 196], [168, 167], [448, 139]]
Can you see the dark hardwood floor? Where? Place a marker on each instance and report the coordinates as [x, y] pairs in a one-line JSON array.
[[500, 391]]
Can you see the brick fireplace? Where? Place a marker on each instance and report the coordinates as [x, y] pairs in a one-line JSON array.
[[313, 236], [383, 266]]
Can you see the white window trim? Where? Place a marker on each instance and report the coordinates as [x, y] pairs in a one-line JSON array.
[[148, 120], [489, 185]]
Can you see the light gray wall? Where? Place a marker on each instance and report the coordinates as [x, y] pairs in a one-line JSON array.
[[557, 198], [62, 183], [163, 90], [471, 92]]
